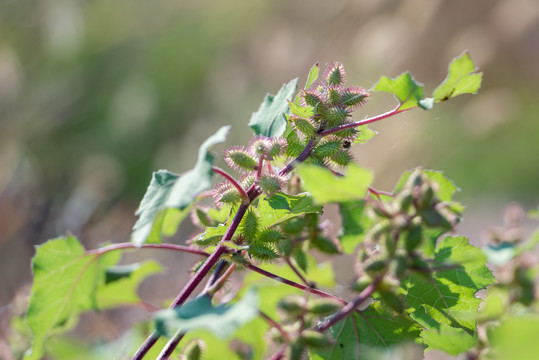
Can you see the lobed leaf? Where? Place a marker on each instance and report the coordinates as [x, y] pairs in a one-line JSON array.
[[449, 296], [461, 79], [269, 120], [169, 196], [65, 283], [325, 187], [407, 91]]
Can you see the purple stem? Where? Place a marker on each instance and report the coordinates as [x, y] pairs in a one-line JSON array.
[[230, 178], [122, 246], [350, 307], [395, 111]]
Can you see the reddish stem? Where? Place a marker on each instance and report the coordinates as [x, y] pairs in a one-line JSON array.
[[350, 307], [121, 246], [395, 111], [230, 178]]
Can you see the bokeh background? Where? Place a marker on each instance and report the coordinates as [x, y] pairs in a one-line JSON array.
[[95, 95]]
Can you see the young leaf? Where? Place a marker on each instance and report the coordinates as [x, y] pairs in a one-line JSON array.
[[151, 210], [222, 320], [65, 284], [313, 75], [325, 187], [407, 91], [461, 79], [376, 327], [197, 180], [269, 120], [449, 296]]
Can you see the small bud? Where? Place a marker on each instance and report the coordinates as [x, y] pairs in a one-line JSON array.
[[270, 236], [292, 305], [353, 97], [249, 225], [311, 98], [225, 193], [329, 148], [304, 126], [336, 116], [315, 339], [278, 147], [335, 74], [271, 183], [323, 307], [413, 238], [376, 266], [342, 158], [239, 158], [194, 350], [260, 145], [262, 252]]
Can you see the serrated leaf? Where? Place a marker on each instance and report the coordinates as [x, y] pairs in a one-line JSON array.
[[449, 296], [123, 290], [191, 184], [407, 91], [436, 336], [222, 320], [352, 230], [269, 120], [212, 235], [461, 79], [65, 284], [374, 328], [280, 207], [325, 187]]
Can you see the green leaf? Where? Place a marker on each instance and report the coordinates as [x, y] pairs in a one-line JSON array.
[[449, 296], [311, 78], [352, 230], [151, 211], [301, 111], [461, 79], [325, 187], [169, 196], [191, 184], [127, 278], [212, 235], [407, 91], [269, 120], [65, 284], [453, 341], [516, 338], [222, 320], [376, 327], [281, 207]]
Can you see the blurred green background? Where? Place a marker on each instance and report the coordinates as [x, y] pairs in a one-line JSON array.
[[95, 95]]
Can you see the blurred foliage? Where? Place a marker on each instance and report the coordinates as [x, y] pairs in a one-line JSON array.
[[95, 95]]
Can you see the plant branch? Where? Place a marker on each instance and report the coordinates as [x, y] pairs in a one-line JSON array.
[[296, 271], [279, 355], [395, 111], [230, 178], [350, 307], [301, 157], [294, 284], [276, 325], [165, 246], [168, 349]]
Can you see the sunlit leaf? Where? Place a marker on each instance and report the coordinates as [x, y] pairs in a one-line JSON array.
[[461, 79], [352, 229], [65, 284], [407, 91], [269, 120], [449, 296], [516, 338], [280, 207], [326, 187]]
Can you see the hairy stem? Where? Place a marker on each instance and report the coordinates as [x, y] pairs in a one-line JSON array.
[[230, 178]]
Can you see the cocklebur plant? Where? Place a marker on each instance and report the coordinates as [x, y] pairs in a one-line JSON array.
[[262, 223]]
